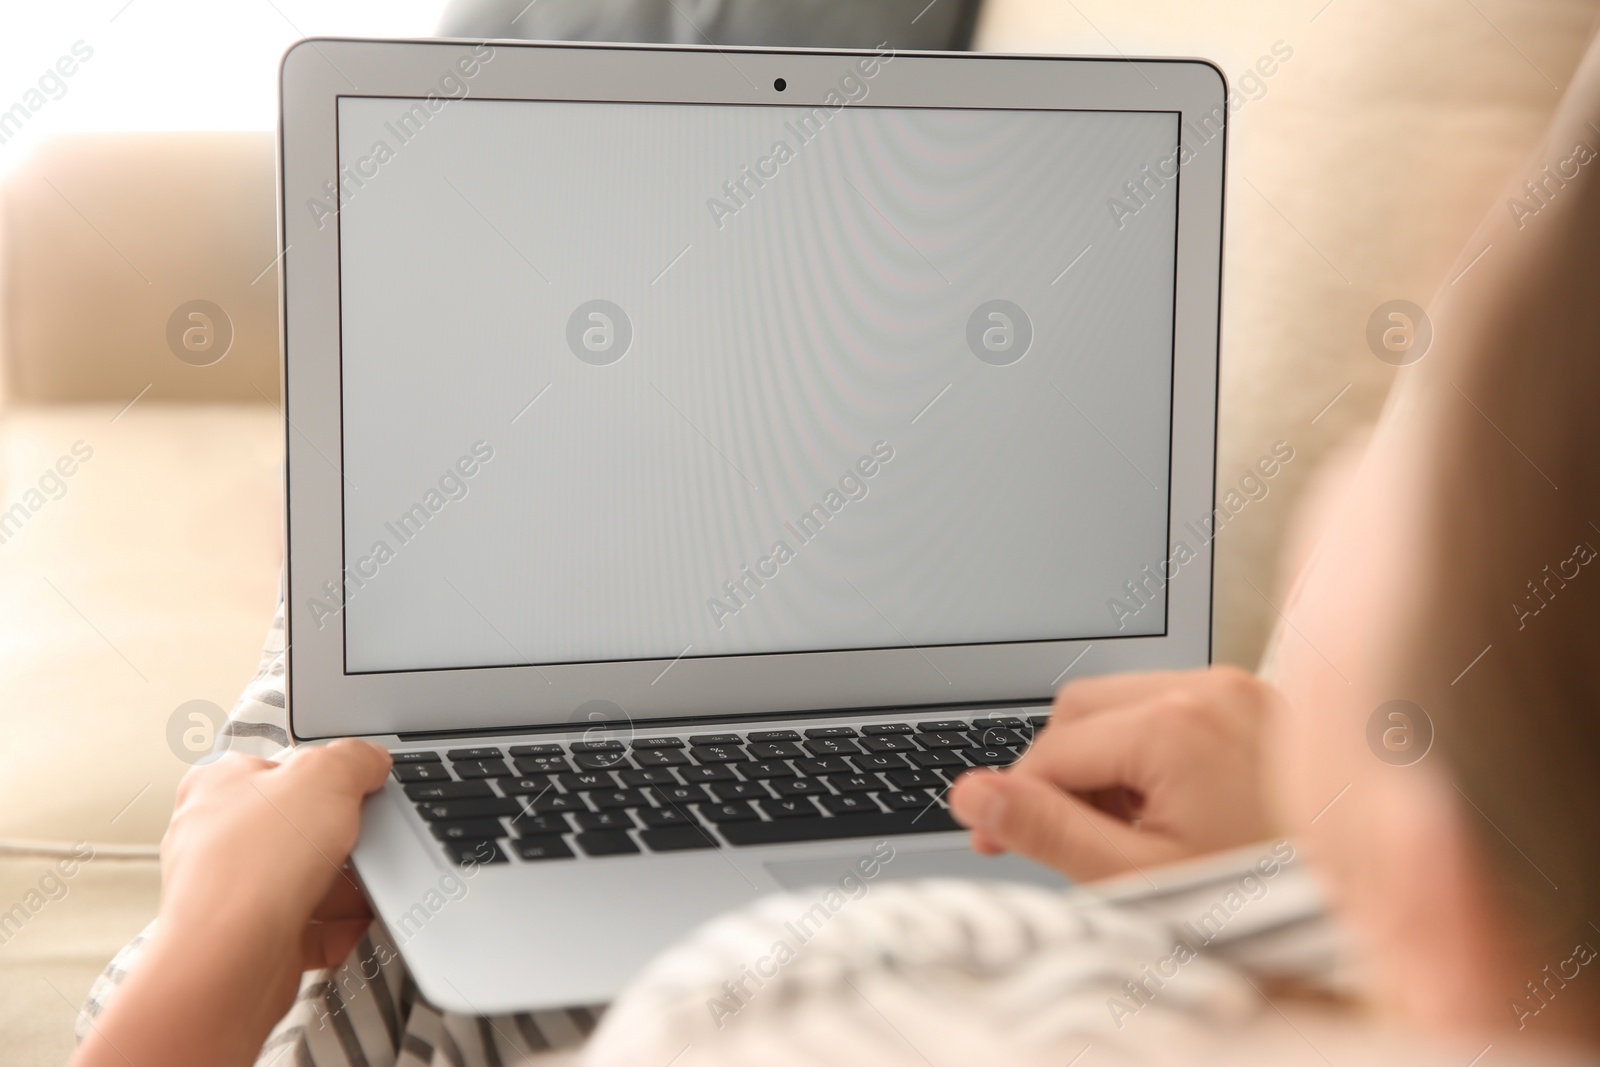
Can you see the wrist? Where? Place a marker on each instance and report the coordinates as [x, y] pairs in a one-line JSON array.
[[204, 993], [228, 957]]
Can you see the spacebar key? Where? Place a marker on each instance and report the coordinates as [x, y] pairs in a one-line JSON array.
[[781, 831]]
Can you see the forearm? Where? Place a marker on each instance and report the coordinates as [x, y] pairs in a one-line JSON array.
[[196, 998]]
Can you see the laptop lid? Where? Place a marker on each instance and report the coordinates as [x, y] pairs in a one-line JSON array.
[[707, 383]]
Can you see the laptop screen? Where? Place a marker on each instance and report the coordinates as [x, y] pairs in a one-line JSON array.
[[647, 381]]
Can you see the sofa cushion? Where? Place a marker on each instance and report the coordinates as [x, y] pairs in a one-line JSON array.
[[50, 958], [143, 579]]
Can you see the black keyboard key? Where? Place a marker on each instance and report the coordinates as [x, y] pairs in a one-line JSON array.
[[854, 783], [990, 757], [1038, 722], [782, 831], [938, 814], [599, 761], [936, 741], [604, 820], [481, 768], [916, 779], [765, 750], [773, 735], [765, 769], [831, 746], [457, 754], [732, 811], [790, 808], [648, 776], [938, 758], [907, 801], [421, 772], [548, 805], [474, 808], [542, 848], [998, 737], [654, 743], [537, 825], [714, 739], [888, 744], [531, 786], [739, 791], [583, 781], [656, 817], [941, 726], [715, 773], [606, 799], [888, 761], [717, 753], [676, 838], [799, 787], [850, 804], [878, 729], [472, 853], [414, 757], [596, 746], [537, 750], [468, 830], [660, 757], [831, 731], [606, 843], [542, 765], [448, 790], [679, 794], [1000, 722], [823, 765]]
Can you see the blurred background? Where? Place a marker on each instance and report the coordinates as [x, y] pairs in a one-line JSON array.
[[140, 513]]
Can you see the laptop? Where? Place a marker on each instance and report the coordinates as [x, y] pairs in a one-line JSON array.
[[697, 458]]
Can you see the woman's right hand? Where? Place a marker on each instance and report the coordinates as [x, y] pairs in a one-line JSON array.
[[1133, 770]]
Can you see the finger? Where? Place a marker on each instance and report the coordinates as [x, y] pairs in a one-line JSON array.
[[347, 767], [1086, 696], [1105, 751], [328, 944], [982, 842], [344, 900], [206, 775], [984, 845], [1036, 820], [1119, 802]]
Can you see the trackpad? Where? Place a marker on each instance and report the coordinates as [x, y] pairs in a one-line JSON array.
[[943, 863]]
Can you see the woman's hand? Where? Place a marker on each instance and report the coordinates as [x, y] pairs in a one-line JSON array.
[[254, 891], [254, 838], [1133, 770]]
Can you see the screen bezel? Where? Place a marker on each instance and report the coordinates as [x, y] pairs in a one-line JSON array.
[[325, 701]]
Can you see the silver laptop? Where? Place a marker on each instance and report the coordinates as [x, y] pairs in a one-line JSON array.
[[698, 458]]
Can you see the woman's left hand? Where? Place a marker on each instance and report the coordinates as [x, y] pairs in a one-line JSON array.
[[254, 892]]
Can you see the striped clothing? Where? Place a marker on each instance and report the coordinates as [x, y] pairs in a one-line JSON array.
[[935, 971]]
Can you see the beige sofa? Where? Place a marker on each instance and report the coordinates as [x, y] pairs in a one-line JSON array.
[[1358, 169], [147, 577]]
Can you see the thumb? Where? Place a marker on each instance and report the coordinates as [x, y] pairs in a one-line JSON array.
[[1034, 819], [347, 768], [329, 943]]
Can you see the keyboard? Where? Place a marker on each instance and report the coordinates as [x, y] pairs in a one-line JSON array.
[[534, 803]]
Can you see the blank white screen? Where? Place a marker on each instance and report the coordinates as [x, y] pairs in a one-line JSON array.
[[821, 310]]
